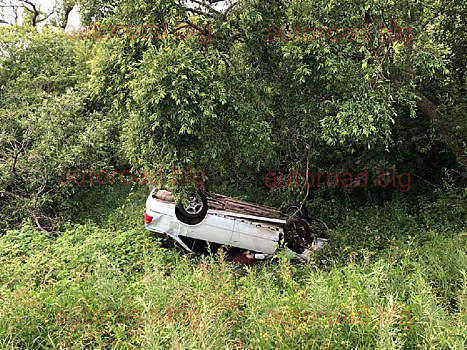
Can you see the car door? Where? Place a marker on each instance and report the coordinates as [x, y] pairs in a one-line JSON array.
[[215, 227], [254, 235]]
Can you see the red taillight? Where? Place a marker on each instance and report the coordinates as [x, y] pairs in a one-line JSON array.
[[147, 218]]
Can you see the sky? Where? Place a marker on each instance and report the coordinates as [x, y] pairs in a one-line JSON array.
[[44, 5]]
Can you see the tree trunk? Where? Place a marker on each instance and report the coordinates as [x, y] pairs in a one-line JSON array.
[[429, 109]]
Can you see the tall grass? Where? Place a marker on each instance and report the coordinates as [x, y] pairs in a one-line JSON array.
[[112, 286]]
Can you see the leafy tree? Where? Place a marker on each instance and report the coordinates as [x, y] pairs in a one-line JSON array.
[[258, 98], [46, 123], [236, 90]]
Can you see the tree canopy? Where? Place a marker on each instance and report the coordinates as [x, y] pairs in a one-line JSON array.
[[236, 88]]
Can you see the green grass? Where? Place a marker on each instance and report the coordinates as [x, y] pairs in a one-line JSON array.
[[107, 283]]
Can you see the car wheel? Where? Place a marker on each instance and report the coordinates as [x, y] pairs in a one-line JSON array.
[[297, 235], [194, 211], [318, 228], [296, 210]]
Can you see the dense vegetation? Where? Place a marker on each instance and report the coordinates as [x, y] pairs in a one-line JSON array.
[[254, 99]]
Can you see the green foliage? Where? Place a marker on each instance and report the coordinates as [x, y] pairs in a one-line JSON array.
[[235, 108], [244, 105], [47, 126], [152, 297]]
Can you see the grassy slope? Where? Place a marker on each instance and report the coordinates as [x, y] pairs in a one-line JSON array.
[[107, 283]]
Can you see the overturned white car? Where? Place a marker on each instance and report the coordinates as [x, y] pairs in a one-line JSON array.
[[224, 221]]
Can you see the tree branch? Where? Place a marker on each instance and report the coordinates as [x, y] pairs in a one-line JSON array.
[[33, 10], [430, 110]]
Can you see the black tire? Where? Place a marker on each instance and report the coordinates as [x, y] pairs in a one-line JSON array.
[[194, 211], [296, 210], [297, 235], [318, 228]]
